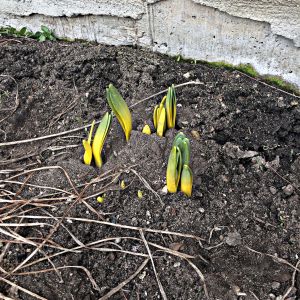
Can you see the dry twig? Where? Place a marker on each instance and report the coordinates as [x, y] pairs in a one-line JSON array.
[[269, 85], [293, 281], [161, 288], [275, 258], [122, 284], [22, 289]]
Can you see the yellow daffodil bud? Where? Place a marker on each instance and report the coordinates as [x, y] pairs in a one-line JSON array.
[[99, 138], [146, 129], [100, 199], [171, 107], [123, 186], [186, 181], [174, 169], [157, 111], [161, 126], [88, 154], [140, 194]]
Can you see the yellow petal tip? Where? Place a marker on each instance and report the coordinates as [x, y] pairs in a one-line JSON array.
[[146, 129]]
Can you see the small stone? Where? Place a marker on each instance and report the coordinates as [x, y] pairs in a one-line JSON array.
[[164, 190], [280, 102], [177, 264], [288, 190], [294, 103], [275, 285], [118, 240], [272, 296], [236, 289], [187, 75], [142, 275], [195, 134], [134, 221], [201, 210], [273, 190], [233, 239]]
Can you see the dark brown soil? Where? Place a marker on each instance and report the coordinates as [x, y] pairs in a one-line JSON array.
[[245, 158]]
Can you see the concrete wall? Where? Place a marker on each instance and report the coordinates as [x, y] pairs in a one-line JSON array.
[[264, 33]]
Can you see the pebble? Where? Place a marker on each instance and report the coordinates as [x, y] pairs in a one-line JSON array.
[[273, 190], [275, 285], [195, 134], [164, 190], [233, 239], [288, 190], [187, 75], [280, 102], [294, 103], [177, 264], [134, 222]]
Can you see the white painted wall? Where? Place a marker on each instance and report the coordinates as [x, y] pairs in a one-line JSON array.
[[264, 33]]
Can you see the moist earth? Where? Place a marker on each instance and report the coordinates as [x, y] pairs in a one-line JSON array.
[[241, 226]]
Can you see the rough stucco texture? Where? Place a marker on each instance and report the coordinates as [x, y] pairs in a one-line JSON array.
[[264, 33]]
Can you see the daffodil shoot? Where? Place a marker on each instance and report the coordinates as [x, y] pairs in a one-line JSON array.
[[99, 138], [157, 111], [178, 169], [164, 115], [88, 154], [171, 107], [161, 125], [174, 169], [186, 180], [183, 143], [120, 109]]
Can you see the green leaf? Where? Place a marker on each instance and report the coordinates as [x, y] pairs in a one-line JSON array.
[[23, 30], [42, 38], [45, 29]]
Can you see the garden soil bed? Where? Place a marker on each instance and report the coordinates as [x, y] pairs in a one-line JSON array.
[[240, 230]]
